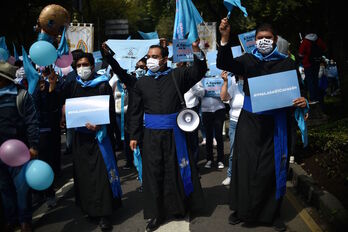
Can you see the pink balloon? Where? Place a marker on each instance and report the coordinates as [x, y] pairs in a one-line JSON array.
[[14, 153], [64, 61], [66, 71], [11, 60]]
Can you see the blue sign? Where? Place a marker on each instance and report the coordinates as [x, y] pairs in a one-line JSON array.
[[211, 59], [82, 110], [247, 40], [129, 52], [182, 51], [273, 91], [212, 86], [236, 51]]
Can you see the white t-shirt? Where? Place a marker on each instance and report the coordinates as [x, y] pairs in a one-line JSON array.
[[237, 98], [194, 94]]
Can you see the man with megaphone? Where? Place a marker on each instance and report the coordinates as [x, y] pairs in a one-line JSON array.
[[170, 180]]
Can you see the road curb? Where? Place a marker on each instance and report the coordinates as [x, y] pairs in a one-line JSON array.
[[324, 201]]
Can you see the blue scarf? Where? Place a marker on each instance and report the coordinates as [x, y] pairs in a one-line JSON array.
[[158, 73], [92, 83], [107, 152], [167, 122], [280, 141], [120, 88], [10, 89], [299, 116], [274, 55], [138, 163]]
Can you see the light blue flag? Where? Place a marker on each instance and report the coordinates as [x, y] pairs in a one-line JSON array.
[[30, 72], [149, 35], [187, 18], [63, 48], [129, 37], [15, 54], [230, 4], [3, 43]]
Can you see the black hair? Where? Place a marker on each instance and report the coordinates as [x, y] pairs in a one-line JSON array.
[[142, 60], [18, 63], [164, 51], [76, 53], [266, 27], [89, 56]]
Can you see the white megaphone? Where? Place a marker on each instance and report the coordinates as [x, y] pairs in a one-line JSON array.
[[188, 120]]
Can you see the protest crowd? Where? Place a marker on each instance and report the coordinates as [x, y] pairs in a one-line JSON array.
[[158, 109]]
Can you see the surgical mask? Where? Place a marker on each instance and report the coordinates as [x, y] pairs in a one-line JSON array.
[[153, 64], [139, 72], [84, 72], [264, 46]]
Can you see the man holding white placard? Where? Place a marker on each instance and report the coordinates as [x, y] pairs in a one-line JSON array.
[[259, 165], [96, 178]]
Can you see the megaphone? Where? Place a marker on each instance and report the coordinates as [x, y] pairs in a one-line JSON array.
[[188, 120]]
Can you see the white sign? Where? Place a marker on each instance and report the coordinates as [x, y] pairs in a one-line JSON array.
[[207, 36], [82, 110]]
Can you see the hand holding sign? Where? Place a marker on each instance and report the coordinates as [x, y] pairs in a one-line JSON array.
[[300, 102], [195, 45], [225, 30]]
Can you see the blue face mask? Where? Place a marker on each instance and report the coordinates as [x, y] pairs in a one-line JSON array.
[[139, 73]]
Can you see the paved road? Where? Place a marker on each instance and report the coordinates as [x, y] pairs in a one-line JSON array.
[[67, 217]]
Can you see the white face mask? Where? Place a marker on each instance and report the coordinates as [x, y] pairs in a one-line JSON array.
[[139, 72], [153, 64], [84, 72], [264, 46]]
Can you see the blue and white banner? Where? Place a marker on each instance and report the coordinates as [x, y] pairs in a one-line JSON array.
[[129, 52], [247, 40], [212, 86], [182, 51], [273, 91], [82, 110]]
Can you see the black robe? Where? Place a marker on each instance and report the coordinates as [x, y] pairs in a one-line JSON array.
[[163, 188], [253, 183], [92, 188]]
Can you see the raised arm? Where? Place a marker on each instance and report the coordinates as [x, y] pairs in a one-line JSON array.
[[224, 60], [127, 79], [189, 76]]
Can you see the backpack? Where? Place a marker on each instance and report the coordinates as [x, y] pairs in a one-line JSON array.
[[316, 53], [22, 93]]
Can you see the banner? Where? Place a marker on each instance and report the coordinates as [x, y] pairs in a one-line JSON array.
[[247, 40], [273, 91], [182, 51], [207, 36], [129, 52], [212, 86], [82, 110], [81, 36]]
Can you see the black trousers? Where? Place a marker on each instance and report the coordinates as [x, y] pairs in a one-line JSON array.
[[213, 121]]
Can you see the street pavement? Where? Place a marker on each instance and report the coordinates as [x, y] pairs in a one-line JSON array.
[[67, 217]]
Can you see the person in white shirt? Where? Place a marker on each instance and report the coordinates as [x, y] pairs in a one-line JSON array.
[[213, 114], [192, 99], [234, 93]]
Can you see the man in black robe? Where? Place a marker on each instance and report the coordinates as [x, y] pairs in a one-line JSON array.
[[170, 181], [258, 180], [97, 184]]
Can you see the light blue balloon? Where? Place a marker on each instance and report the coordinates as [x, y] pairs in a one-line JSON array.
[[4, 55], [39, 175], [43, 53]]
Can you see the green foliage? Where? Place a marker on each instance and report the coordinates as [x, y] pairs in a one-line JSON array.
[[330, 143]]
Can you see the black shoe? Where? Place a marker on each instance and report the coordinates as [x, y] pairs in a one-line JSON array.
[[153, 224], [279, 225], [105, 224], [233, 219]]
